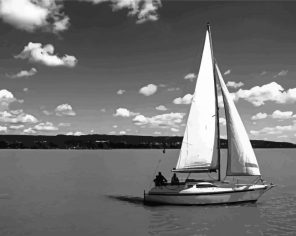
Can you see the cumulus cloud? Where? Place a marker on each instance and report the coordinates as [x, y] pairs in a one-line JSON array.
[[77, 133], [124, 112], [168, 120], [273, 130], [47, 126], [3, 129], [29, 131], [6, 98], [222, 121], [62, 124], [144, 10], [37, 53], [227, 72], [16, 127], [282, 115], [190, 76], [120, 91], [30, 15], [174, 129], [233, 84], [25, 90], [259, 116], [148, 90], [258, 95], [157, 132], [65, 110], [23, 73], [173, 89], [17, 118], [263, 73], [161, 108], [122, 132], [183, 100]]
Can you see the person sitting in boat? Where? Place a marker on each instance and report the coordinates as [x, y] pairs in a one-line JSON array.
[[160, 180], [175, 179]]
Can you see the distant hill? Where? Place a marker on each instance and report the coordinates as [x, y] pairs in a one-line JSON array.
[[103, 141]]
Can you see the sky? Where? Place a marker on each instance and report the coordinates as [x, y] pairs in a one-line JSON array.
[[130, 66]]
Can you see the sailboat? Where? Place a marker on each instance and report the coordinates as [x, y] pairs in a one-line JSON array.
[[200, 150]]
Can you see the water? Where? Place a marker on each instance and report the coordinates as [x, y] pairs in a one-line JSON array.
[[61, 192]]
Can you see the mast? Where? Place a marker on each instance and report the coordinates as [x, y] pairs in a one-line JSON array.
[[217, 105]]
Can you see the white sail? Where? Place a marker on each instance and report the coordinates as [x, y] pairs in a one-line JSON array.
[[199, 146], [241, 157]]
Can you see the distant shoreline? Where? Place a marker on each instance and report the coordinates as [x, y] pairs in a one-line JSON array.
[[103, 141]]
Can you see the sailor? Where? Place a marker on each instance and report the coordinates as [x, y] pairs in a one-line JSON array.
[[160, 180], [174, 180]]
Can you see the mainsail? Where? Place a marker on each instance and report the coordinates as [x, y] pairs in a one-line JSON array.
[[199, 147], [241, 158]]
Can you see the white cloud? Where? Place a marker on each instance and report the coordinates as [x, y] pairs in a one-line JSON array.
[[77, 133], [112, 132], [274, 130], [6, 98], [263, 73], [184, 100], [46, 112], [148, 90], [124, 112], [62, 124], [174, 129], [120, 91], [3, 129], [258, 95], [47, 126], [144, 10], [161, 108], [190, 76], [65, 110], [103, 110], [233, 84], [15, 118], [281, 73], [162, 121], [35, 53], [24, 73], [259, 116], [173, 89], [157, 132], [29, 131], [222, 121], [30, 15], [227, 72], [122, 132], [25, 89], [162, 85], [16, 127], [283, 115]]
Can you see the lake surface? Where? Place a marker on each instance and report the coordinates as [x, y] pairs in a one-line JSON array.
[[85, 193]]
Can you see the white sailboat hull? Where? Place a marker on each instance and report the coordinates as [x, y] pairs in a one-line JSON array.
[[205, 196]]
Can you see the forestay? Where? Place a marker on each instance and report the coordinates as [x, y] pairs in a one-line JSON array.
[[199, 147], [241, 158]]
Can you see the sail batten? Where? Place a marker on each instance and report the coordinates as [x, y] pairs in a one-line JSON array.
[[199, 146], [241, 158]]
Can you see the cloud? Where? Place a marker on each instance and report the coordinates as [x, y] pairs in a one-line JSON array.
[[115, 126], [3, 129], [157, 132], [148, 90], [162, 85], [120, 91], [163, 121], [47, 126], [24, 73], [65, 110], [234, 84], [62, 124], [281, 73], [16, 118], [184, 100], [30, 15], [174, 130], [112, 132], [29, 131], [144, 10], [259, 116], [103, 110], [173, 89], [77, 133], [6, 98], [190, 76], [282, 115], [161, 108], [222, 121], [16, 127], [122, 132], [273, 130], [258, 95], [37, 53], [263, 73], [25, 90], [227, 72], [124, 112]]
